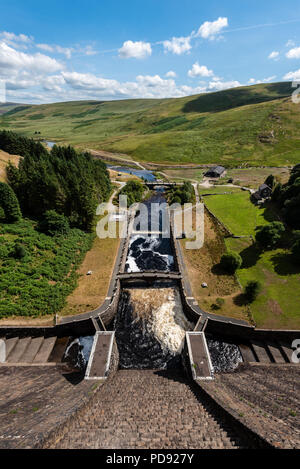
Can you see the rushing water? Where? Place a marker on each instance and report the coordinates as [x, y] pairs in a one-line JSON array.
[[78, 352], [152, 252], [150, 328], [224, 356]]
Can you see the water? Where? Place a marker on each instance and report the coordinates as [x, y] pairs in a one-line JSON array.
[[49, 144], [225, 357], [141, 173], [150, 252], [78, 352], [150, 328]]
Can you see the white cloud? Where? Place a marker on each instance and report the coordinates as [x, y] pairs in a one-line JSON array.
[[222, 85], [210, 29], [45, 47], [200, 71], [253, 81], [293, 53], [11, 59], [12, 38], [137, 50], [274, 55], [290, 43], [178, 45], [171, 74], [294, 76]]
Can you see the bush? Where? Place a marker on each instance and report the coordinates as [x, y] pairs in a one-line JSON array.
[[252, 290], [269, 235], [230, 262], [296, 252], [19, 251], [9, 203], [54, 223]]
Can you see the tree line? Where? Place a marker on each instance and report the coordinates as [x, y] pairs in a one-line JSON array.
[[64, 181]]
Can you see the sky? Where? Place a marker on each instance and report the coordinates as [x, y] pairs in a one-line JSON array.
[[64, 50]]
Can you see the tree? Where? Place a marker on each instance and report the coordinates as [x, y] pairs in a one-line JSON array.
[[230, 262], [252, 290], [270, 181], [9, 203], [54, 223], [269, 235], [19, 251], [296, 252]]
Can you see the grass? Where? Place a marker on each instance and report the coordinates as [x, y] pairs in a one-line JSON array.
[[92, 289], [278, 304], [231, 127], [237, 212], [202, 267], [38, 284]]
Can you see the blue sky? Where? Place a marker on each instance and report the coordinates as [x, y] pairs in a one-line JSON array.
[[71, 50]]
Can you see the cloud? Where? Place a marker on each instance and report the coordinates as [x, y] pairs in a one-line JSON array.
[[11, 59], [16, 40], [137, 50], [200, 71], [171, 74], [178, 45], [293, 53], [274, 55], [210, 29], [253, 81], [218, 85], [294, 76], [290, 43]]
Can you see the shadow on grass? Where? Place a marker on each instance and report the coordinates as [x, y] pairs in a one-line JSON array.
[[284, 265], [217, 270], [241, 300], [250, 256]]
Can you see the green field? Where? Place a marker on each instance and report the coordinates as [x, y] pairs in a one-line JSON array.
[[257, 125], [237, 212], [38, 284], [278, 304]]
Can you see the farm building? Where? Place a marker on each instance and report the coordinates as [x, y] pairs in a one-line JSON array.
[[215, 172], [264, 192]]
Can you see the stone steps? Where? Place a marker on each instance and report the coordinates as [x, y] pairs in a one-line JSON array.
[[28, 350], [266, 352], [148, 409]]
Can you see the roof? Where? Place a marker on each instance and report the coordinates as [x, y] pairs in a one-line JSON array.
[[263, 187], [216, 169]]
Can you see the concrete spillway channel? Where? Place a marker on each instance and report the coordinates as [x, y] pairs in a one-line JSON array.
[[150, 332]]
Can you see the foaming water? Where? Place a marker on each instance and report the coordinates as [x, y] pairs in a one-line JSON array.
[[150, 328], [224, 356], [149, 253]]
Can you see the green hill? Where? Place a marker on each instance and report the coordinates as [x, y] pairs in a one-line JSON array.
[[256, 125]]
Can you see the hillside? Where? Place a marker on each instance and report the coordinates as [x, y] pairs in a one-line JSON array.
[[5, 158], [255, 125]]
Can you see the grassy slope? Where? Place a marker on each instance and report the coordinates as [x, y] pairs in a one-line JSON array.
[[217, 127], [4, 160], [278, 305]]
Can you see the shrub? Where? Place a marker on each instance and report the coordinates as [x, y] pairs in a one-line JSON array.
[[54, 223], [230, 262], [9, 203], [19, 251], [269, 235], [252, 290]]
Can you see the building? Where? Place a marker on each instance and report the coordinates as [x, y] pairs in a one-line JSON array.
[[264, 192], [215, 172]]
